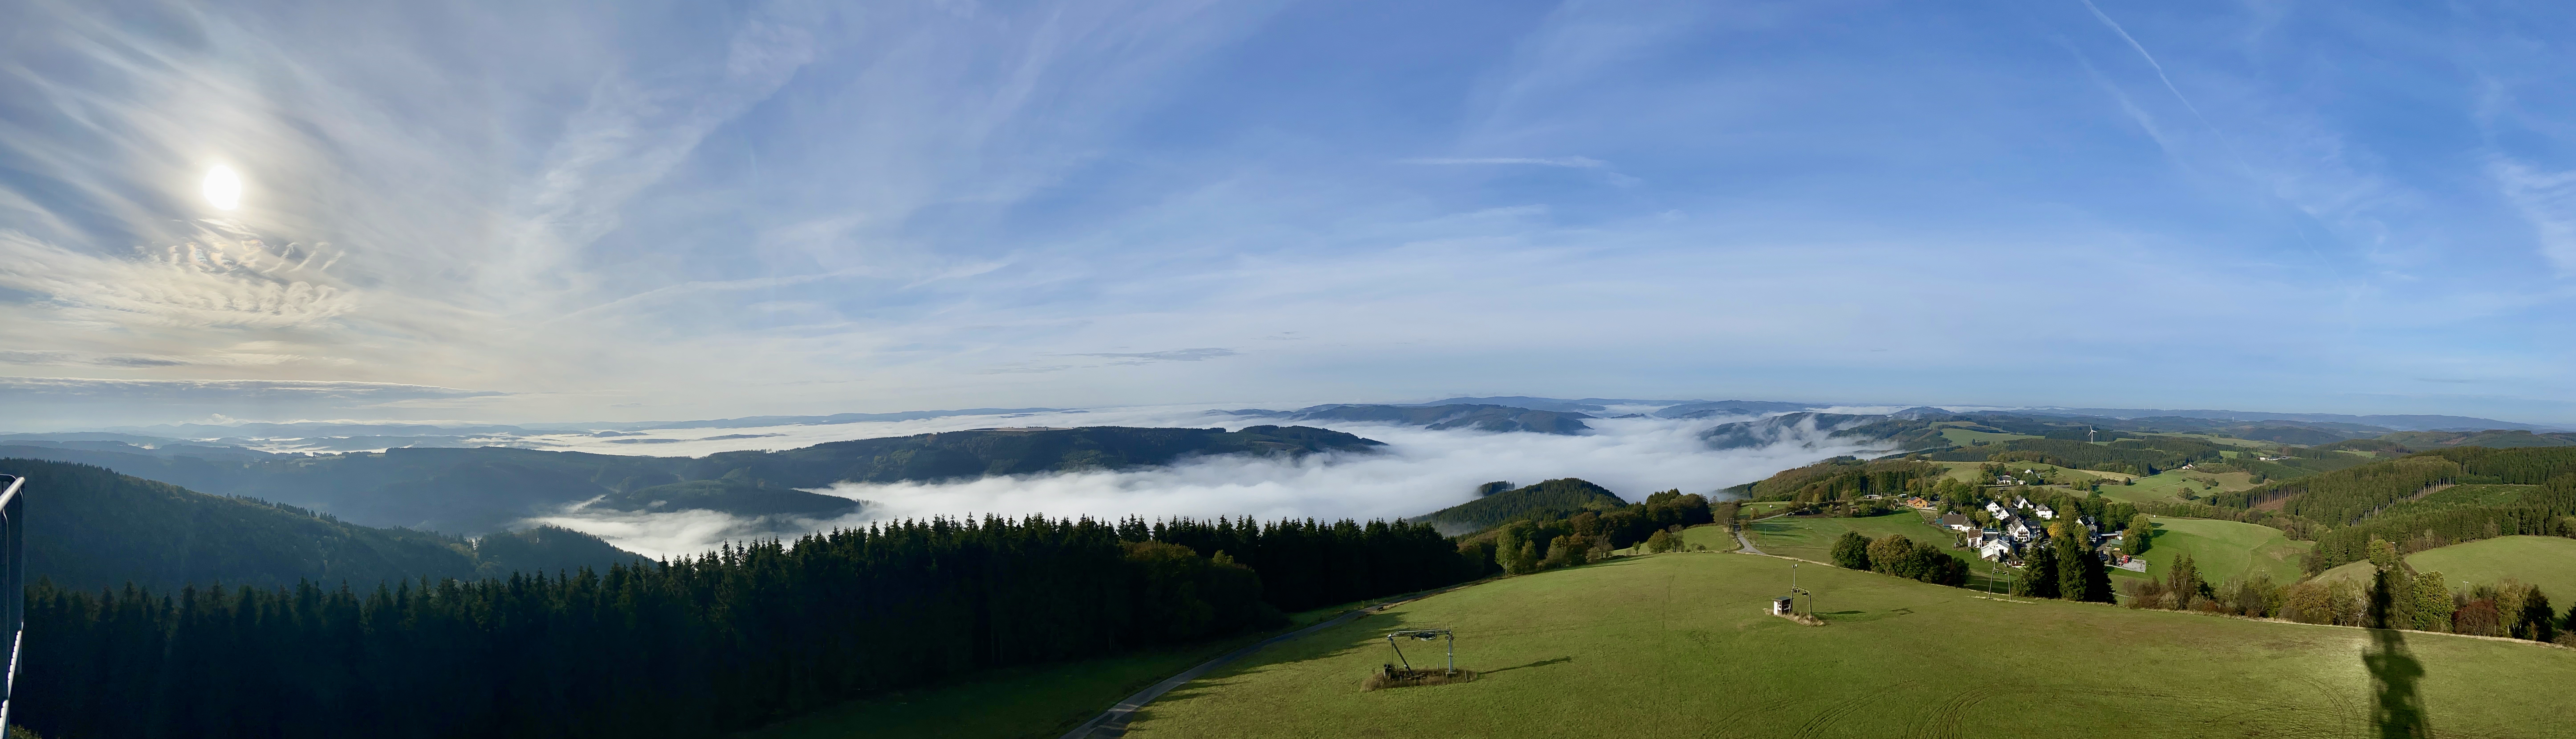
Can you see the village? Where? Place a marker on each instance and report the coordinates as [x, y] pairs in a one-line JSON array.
[[2004, 527]]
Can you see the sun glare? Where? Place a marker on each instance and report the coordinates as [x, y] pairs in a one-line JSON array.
[[223, 188]]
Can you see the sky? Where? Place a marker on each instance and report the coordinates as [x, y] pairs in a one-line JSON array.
[[518, 212]]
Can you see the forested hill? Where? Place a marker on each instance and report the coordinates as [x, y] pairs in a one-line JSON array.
[[2422, 501], [1472, 416], [1903, 431], [966, 454], [473, 491], [89, 528], [1567, 495]]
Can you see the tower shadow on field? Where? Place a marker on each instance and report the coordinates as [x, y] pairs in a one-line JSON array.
[[2396, 710]]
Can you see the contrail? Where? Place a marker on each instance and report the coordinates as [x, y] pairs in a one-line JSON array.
[[2214, 131], [2169, 86]]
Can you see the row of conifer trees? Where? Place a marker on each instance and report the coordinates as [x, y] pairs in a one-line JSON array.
[[692, 647]]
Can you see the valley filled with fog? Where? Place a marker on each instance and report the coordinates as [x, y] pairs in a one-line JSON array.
[[1418, 471]]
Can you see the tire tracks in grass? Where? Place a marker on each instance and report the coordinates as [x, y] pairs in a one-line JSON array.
[[1815, 725]]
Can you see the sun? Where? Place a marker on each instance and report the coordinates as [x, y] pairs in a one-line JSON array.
[[223, 188]]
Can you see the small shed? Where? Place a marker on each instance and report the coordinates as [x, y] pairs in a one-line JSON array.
[[1780, 606]]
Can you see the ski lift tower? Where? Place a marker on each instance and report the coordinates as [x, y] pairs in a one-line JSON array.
[[1424, 635], [1795, 591]]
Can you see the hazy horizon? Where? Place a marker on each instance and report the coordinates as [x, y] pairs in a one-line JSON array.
[[615, 211]]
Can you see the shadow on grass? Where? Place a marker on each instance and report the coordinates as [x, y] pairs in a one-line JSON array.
[[2396, 709], [1540, 663]]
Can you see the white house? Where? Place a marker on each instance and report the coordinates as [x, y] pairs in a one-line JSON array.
[[1994, 509], [1957, 522], [2020, 529], [2021, 502], [1995, 547], [2044, 512]]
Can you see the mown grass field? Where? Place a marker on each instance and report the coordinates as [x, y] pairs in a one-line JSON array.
[[1813, 539], [1028, 702], [1678, 645], [2546, 561], [2223, 550]]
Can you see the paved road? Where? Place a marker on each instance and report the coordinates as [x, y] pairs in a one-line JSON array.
[[1113, 722], [1747, 543]]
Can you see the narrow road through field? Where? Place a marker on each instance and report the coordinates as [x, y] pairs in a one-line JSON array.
[[1747, 542], [1113, 722]]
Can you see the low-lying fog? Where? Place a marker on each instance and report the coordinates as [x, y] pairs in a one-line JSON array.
[[1418, 472]]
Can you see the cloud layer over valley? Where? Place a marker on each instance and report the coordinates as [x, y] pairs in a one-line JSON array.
[[1420, 471]]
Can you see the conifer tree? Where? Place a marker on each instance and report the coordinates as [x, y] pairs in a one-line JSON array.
[[2038, 578]]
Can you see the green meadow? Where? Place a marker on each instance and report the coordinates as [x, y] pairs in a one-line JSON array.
[[1680, 645], [1812, 539], [2546, 561], [2223, 550]]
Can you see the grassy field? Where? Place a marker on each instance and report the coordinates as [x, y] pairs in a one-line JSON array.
[[1041, 700], [2171, 484], [2226, 441], [2546, 561], [1967, 471], [1678, 645], [1962, 437], [1813, 539], [2223, 550]]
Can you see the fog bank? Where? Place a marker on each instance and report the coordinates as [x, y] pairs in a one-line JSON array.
[[1418, 472]]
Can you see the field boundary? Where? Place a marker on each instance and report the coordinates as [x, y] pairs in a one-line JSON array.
[[1113, 722]]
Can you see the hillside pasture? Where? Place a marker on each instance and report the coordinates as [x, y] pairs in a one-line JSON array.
[[2223, 550], [1812, 538], [1680, 645], [2546, 561], [1966, 437]]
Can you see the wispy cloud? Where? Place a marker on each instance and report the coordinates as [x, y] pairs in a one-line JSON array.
[[1574, 162], [2547, 200], [1175, 355]]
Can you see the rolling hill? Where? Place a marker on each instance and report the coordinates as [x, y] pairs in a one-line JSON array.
[[1680, 645], [90, 528], [1568, 494], [486, 489]]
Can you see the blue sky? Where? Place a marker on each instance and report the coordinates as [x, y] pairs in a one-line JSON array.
[[637, 210]]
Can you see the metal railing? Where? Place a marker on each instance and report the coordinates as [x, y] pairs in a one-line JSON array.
[[13, 583]]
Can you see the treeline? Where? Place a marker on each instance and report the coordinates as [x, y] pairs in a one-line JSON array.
[[2293, 527], [1546, 540], [1844, 478], [1309, 564], [2345, 496], [699, 645], [2417, 532], [2135, 456]]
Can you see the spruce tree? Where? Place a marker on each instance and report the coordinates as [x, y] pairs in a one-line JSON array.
[[2038, 577]]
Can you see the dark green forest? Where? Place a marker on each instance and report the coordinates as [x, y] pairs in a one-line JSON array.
[[1566, 495], [90, 528], [472, 491], [697, 646]]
